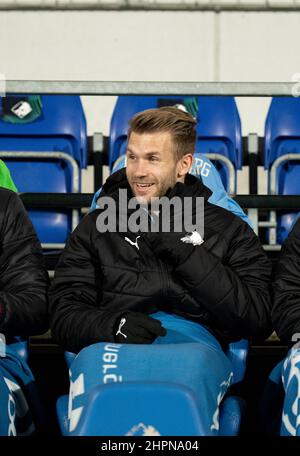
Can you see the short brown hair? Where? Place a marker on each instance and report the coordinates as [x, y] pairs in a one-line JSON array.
[[180, 124]]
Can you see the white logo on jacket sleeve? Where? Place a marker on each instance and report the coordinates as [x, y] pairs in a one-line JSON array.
[[133, 243], [194, 238], [122, 323]]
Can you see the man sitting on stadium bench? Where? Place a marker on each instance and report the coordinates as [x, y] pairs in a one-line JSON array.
[[128, 287]]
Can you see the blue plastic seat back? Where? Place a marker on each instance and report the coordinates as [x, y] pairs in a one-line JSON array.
[[140, 418], [179, 360], [168, 407], [186, 341], [237, 352], [89, 419], [20, 347], [169, 404], [282, 136], [218, 126], [281, 129], [60, 128], [232, 414]]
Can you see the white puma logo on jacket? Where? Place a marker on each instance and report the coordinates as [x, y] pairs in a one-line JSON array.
[[133, 243]]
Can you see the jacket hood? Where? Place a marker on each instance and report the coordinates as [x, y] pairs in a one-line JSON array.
[[192, 186]]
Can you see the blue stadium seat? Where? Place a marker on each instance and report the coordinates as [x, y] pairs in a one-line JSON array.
[[282, 157], [161, 396], [54, 150], [218, 130], [20, 347], [154, 402], [139, 405]]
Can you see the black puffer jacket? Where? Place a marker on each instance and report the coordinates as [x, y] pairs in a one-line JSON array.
[[23, 277], [224, 284], [286, 309]]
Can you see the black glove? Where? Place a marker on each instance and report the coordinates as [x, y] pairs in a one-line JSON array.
[[173, 245], [137, 328]]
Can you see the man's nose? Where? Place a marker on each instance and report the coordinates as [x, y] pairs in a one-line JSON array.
[[140, 168]]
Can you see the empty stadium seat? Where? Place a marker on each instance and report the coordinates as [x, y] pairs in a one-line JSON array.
[[282, 158], [218, 129], [47, 155]]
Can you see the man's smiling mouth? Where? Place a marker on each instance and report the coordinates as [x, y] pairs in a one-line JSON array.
[[144, 185]]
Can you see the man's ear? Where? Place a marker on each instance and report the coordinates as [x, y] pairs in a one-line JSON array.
[[184, 165]]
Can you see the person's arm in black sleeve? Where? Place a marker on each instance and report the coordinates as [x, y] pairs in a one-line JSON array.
[[286, 308], [77, 319], [235, 291], [23, 276]]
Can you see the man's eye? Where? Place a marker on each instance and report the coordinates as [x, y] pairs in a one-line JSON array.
[[153, 158], [130, 157]]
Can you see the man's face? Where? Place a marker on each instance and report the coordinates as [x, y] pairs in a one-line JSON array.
[[151, 167]]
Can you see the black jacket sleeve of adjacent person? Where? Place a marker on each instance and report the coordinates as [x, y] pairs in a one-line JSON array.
[[286, 308], [23, 276]]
